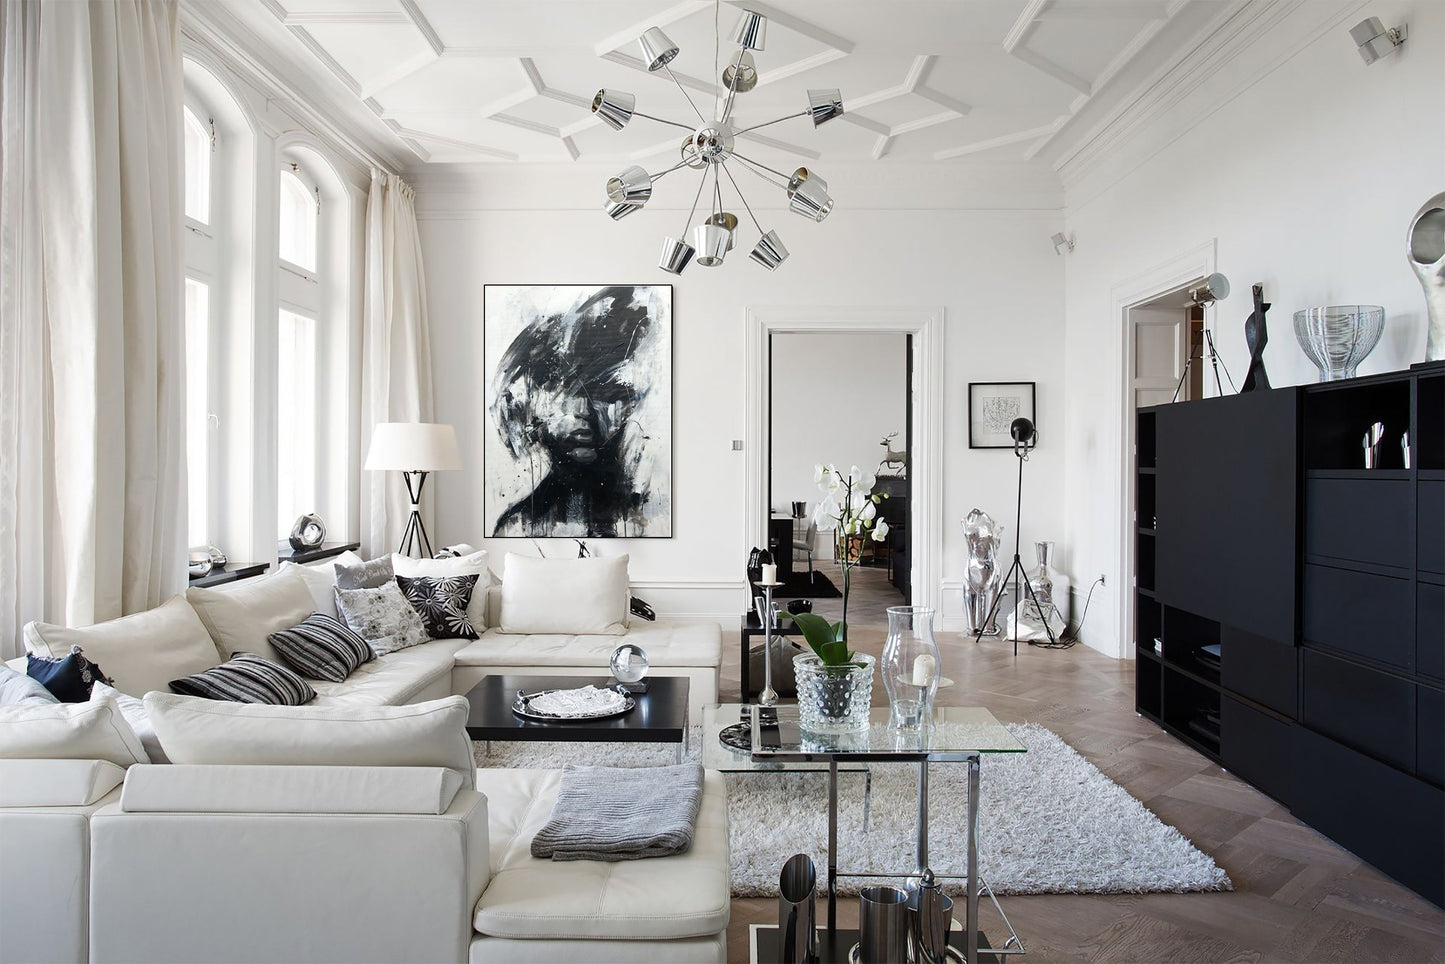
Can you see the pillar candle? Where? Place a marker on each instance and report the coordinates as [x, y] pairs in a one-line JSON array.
[[770, 573]]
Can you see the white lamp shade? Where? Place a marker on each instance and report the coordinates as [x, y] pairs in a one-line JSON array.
[[413, 447]]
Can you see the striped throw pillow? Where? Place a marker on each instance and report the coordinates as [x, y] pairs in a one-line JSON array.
[[321, 647], [247, 678]]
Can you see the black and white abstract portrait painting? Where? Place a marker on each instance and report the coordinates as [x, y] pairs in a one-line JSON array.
[[579, 411]]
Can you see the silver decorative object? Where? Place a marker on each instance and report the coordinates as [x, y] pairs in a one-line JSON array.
[[882, 925], [1039, 617], [629, 665], [798, 911], [1041, 580], [1371, 444], [1338, 337], [932, 914], [308, 532], [1405, 448], [1425, 245], [985, 580]]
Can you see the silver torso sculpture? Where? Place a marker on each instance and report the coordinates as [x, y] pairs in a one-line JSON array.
[[985, 579], [1426, 250]]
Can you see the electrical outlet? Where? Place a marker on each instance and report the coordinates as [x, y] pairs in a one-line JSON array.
[[1101, 579]]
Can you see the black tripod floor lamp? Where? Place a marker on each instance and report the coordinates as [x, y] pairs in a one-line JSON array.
[[415, 449], [1025, 437]]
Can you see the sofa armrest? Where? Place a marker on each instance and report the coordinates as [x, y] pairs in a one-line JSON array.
[[296, 887], [56, 783], [289, 789]]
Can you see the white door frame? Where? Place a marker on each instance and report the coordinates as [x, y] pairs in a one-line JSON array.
[[1192, 266], [925, 480]]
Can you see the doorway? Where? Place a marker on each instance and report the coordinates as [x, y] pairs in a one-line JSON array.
[[845, 398], [924, 483]]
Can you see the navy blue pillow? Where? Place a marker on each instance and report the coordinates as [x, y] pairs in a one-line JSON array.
[[69, 679]]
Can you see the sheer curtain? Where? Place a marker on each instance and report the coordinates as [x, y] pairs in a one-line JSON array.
[[92, 354], [396, 373]]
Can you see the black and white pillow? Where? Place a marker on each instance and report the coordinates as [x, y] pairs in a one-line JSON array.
[[247, 678], [442, 603], [321, 647], [382, 617], [69, 678]]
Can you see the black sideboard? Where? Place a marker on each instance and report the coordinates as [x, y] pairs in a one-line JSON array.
[[1289, 604]]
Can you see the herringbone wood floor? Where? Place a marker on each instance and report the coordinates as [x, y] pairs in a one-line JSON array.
[[1297, 897]]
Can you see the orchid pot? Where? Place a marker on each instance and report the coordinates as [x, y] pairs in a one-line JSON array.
[[833, 699]]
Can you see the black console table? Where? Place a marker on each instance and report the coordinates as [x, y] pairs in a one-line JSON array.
[[1289, 604], [230, 572]]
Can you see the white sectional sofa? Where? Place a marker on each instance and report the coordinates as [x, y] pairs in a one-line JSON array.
[[334, 852]]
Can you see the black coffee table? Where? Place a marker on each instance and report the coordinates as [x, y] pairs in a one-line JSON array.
[[660, 715]]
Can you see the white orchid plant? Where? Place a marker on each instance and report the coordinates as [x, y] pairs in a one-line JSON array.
[[849, 509]]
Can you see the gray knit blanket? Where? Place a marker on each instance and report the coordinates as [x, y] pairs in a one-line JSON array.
[[622, 813]]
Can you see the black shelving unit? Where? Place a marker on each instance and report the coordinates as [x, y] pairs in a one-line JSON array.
[[1289, 604]]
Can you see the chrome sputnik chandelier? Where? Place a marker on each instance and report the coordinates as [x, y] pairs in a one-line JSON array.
[[708, 148]]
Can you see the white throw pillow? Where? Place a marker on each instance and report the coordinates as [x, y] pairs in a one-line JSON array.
[[565, 596], [241, 616], [469, 564], [140, 652], [432, 734], [95, 730], [321, 580], [134, 711]]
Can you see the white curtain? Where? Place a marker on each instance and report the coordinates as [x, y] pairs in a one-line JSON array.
[[396, 372], [92, 353]]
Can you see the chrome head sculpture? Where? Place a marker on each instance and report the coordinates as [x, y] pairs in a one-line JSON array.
[[1426, 251]]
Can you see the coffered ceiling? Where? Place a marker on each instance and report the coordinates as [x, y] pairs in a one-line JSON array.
[[464, 81]]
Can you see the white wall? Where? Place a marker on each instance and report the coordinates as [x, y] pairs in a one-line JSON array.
[[994, 273], [861, 379], [1303, 167]]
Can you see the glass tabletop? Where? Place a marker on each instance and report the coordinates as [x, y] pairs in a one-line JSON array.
[[958, 733], [718, 756]]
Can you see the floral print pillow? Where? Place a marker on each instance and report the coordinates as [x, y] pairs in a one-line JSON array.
[[382, 617], [442, 602]]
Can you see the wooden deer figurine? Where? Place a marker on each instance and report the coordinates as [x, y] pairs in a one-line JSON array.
[[892, 458]]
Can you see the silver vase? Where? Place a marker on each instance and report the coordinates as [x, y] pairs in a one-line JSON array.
[[798, 911]]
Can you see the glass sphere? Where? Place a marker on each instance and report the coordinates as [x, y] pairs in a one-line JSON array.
[[629, 663]]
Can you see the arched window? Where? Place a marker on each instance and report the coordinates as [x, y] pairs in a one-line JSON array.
[[300, 210], [198, 168]]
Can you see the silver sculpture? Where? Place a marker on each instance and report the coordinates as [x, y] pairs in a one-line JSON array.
[[985, 579], [1426, 250]]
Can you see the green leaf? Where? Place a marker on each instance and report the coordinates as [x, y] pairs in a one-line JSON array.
[[823, 637]]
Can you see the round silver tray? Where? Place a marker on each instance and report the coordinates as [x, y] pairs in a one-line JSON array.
[[521, 708], [855, 955]]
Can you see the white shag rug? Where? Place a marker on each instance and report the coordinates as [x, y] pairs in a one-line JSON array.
[[1049, 821]]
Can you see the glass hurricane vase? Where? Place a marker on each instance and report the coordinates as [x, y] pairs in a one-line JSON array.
[[833, 699], [910, 667]]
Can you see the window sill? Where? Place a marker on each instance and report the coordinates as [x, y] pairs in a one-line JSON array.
[[327, 550], [231, 572]]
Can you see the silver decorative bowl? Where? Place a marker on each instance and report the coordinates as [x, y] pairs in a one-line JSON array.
[[1338, 337]]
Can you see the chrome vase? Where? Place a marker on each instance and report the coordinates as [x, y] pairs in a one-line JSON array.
[[798, 911], [910, 667]]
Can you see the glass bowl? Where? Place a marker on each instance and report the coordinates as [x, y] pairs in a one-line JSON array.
[[1338, 337]]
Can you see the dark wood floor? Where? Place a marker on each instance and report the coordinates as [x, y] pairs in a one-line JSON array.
[[1297, 896]]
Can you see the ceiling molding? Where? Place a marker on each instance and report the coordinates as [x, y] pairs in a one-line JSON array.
[[301, 18], [423, 26], [991, 143], [630, 33]]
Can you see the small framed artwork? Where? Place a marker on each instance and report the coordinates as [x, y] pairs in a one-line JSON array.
[[992, 407]]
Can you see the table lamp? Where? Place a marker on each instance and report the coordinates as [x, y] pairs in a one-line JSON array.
[[414, 449]]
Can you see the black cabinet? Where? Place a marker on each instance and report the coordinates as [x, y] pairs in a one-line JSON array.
[[1289, 603]]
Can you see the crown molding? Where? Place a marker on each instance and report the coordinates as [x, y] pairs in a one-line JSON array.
[[215, 30], [1222, 49]]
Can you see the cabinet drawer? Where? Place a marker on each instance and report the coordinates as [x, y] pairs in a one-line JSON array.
[[1254, 745], [1362, 520], [1430, 630], [1389, 818], [1368, 711], [1430, 735], [1360, 613], [1430, 523], [1260, 669]]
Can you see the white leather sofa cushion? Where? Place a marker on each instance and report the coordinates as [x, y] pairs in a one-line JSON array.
[[393, 679], [473, 563], [320, 579], [658, 899], [69, 731], [141, 652], [432, 734], [241, 616], [666, 644], [56, 783], [564, 595], [286, 887], [272, 789], [712, 949]]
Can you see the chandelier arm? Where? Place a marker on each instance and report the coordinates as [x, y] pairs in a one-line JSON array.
[[732, 94], [756, 173], [638, 113], [685, 94], [701, 183], [661, 174], [749, 160], [801, 113], [741, 197]]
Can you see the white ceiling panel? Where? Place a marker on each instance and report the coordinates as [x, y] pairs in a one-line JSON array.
[[504, 80]]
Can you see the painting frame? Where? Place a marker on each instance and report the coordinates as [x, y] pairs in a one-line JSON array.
[[630, 383], [987, 427]]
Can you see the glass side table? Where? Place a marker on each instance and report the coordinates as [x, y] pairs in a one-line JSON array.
[[960, 734]]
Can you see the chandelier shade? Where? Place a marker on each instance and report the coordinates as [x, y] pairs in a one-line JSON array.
[[709, 149], [614, 107]]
